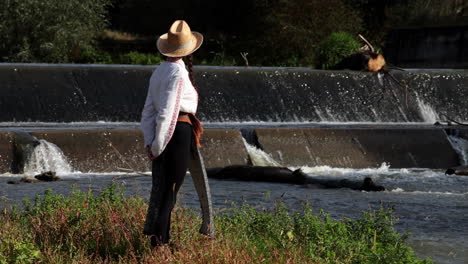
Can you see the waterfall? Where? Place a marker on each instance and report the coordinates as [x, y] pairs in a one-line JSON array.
[[259, 157], [460, 146], [428, 114], [47, 157]]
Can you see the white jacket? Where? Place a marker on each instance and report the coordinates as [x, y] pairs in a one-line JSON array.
[[170, 91]]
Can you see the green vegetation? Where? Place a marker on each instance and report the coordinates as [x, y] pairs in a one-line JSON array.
[[90, 54], [134, 57], [49, 30], [85, 228], [335, 48], [273, 32]]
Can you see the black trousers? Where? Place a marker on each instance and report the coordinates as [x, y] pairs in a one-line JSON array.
[[168, 174]]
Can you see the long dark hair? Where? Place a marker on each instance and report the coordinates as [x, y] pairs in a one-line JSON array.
[[189, 62]]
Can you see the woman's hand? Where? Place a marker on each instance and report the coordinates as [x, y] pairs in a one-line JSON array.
[[150, 154]]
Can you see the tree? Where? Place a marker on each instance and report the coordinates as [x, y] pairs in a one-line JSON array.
[[48, 30]]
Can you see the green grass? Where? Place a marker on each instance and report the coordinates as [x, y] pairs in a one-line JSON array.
[[107, 228]]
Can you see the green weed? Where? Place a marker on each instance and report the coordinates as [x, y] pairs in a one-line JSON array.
[[107, 228]]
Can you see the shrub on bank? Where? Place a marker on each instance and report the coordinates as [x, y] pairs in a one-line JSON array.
[[84, 228], [140, 58], [335, 48], [89, 54]]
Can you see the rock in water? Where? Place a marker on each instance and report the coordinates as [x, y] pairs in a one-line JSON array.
[[285, 175], [369, 186], [28, 180], [47, 176], [366, 185], [23, 147], [25, 179], [258, 173], [460, 170]]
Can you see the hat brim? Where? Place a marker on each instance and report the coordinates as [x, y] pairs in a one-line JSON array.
[[168, 50]]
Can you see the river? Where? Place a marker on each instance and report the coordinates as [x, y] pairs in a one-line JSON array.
[[430, 205]]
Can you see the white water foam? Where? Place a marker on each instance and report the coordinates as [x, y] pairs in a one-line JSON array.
[[460, 145], [47, 157], [259, 157], [428, 114], [402, 191], [333, 171]]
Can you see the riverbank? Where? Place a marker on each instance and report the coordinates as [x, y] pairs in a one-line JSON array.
[[87, 228]]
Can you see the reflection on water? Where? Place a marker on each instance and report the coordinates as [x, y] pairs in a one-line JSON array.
[[430, 205]]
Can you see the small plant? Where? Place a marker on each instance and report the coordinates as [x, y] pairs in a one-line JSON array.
[[335, 48], [14, 251]]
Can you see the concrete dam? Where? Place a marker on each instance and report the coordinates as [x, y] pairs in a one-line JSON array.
[[298, 116]]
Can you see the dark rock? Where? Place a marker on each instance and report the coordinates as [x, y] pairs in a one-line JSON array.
[[25, 179], [285, 175], [370, 186], [366, 185], [13, 182], [255, 173], [23, 147], [459, 170], [28, 180], [47, 176]]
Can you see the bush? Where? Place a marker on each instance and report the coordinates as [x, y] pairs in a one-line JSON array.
[[48, 30], [140, 58], [295, 29], [335, 48], [89, 54]]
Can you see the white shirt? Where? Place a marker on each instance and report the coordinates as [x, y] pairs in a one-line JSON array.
[[170, 91]]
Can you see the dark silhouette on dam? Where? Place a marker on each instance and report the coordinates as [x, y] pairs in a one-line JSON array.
[[71, 93]]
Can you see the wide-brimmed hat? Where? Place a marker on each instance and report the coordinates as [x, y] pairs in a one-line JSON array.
[[179, 41]]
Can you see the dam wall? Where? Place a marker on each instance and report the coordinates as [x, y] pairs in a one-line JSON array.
[[90, 93], [288, 99], [104, 150]]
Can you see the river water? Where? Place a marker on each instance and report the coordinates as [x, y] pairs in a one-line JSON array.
[[429, 204]]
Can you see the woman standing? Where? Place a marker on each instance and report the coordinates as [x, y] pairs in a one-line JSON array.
[[169, 125]]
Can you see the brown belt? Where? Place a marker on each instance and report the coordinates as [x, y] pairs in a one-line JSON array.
[[197, 126], [184, 118]]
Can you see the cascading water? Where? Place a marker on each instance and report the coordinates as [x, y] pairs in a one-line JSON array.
[[47, 157], [460, 145], [428, 114], [259, 157]]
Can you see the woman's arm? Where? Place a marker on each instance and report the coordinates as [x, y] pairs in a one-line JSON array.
[[167, 105], [148, 119]]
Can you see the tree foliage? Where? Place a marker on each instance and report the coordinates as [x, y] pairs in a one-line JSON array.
[[48, 30], [297, 27], [273, 32]]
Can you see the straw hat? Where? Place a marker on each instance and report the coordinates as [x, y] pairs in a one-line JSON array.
[[179, 41]]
